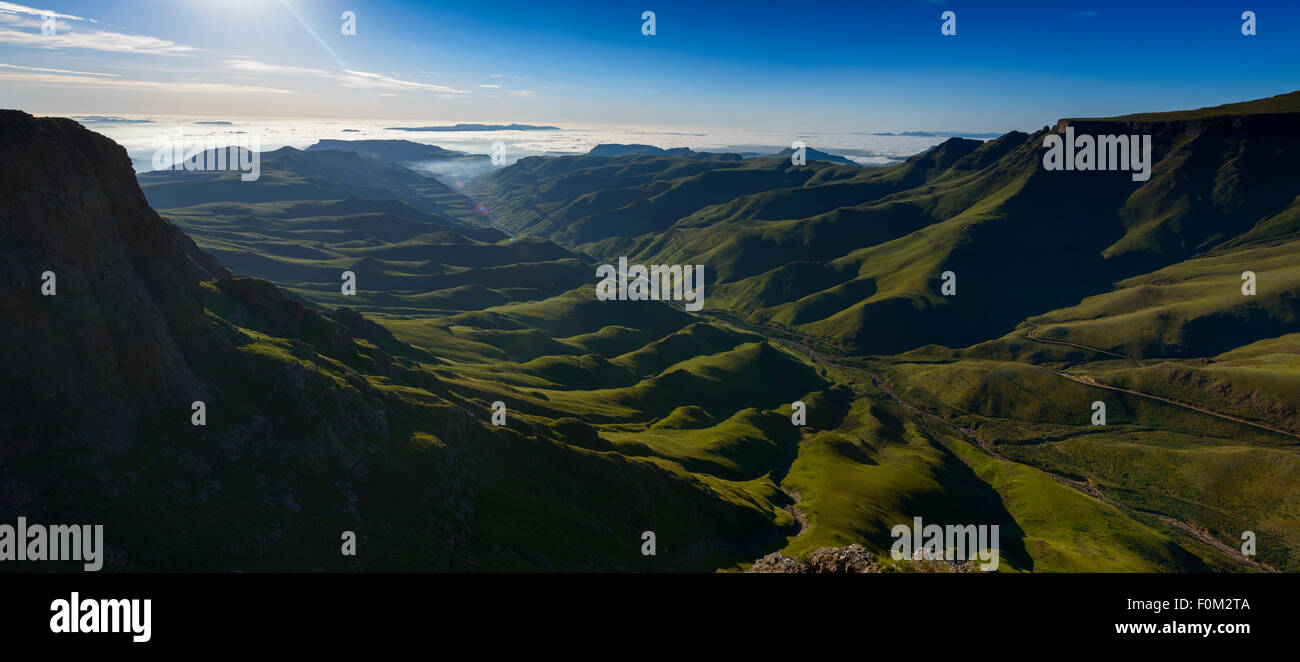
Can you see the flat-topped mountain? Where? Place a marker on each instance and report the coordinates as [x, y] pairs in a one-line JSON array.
[[811, 154], [616, 149]]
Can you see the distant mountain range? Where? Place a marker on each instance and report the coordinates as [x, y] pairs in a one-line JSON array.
[[615, 149], [107, 119]]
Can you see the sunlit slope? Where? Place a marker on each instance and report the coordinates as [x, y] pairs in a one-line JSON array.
[[1195, 308]]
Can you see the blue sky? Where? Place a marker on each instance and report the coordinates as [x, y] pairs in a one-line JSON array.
[[869, 66]]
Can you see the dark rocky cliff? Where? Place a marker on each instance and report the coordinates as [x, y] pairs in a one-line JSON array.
[[74, 368]]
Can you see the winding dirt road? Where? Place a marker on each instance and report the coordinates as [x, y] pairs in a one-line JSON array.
[[1092, 381]]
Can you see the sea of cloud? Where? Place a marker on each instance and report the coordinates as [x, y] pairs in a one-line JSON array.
[[140, 135]]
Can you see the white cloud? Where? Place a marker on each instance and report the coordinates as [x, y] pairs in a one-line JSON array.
[[365, 79], [57, 71], [521, 93], [253, 66], [345, 77], [22, 22], [97, 41], [492, 87], [183, 87], [12, 8]]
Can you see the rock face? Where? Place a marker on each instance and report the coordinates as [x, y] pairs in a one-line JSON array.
[[75, 368], [841, 560]]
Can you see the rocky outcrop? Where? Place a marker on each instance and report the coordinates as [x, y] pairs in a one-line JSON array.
[[839, 560], [777, 563], [856, 559]]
